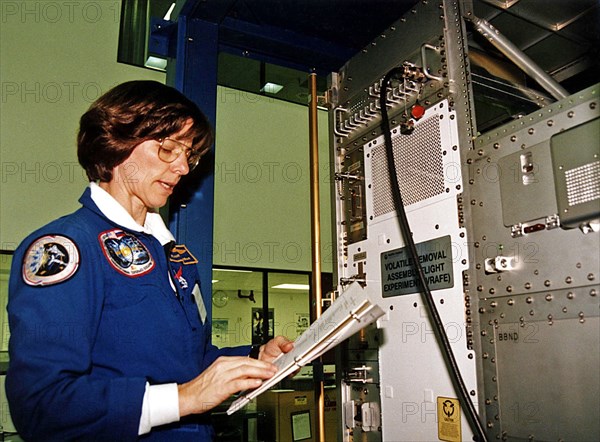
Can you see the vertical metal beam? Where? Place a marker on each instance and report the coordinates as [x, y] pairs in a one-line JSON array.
[[315, 214], [195, 74]]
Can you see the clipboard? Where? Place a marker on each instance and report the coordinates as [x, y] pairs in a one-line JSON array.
[[350, 312]]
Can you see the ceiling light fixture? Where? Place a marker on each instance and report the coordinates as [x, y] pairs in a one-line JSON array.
[[291, 286], [157, 63], [271, 88], [168, 14], [233, 270]]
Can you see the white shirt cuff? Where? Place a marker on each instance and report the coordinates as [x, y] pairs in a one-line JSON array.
[[159, 407]]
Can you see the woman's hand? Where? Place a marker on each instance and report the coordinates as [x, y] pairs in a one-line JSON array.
[[226, 376], [279, 344]]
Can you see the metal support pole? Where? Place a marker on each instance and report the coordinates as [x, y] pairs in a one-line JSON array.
[[315, 214], [194, 72], [518, 57]]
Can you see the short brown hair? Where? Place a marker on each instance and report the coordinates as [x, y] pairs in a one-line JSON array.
[[130, 114]]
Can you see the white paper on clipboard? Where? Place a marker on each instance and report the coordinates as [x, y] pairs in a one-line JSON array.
[[351, 311]]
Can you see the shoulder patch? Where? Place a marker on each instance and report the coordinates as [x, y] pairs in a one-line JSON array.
[[49, 260], [126, 253], [180, 253]]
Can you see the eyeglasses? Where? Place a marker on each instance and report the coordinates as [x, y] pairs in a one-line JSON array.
[[169, 150]]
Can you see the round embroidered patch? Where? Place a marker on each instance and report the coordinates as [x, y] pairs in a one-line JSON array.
[[126, 253], [49, 260]]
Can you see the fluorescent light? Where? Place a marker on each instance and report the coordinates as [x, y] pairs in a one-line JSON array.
[[215, 280], [291, 286], [156, 63], [271, 88], [168, 14]]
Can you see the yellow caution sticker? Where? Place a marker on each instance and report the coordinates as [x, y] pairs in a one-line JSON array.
[[448, 412], [300, 400]]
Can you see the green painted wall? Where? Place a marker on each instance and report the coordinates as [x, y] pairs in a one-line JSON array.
[[56, 58], [262, 183]]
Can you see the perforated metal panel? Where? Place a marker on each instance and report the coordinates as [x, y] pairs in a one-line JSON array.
[[583, 183], [419, 167], [575, 160]]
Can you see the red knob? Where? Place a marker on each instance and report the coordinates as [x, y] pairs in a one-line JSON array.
[[417, 111]]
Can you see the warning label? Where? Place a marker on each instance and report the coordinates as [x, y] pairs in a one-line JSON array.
[[448, 411], [399, 274]]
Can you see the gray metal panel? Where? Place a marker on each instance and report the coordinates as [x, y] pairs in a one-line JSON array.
[[576, 160], [527, 185], [549, 297], [548, 379]]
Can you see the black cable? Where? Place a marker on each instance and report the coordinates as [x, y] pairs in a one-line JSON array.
[[459, 383]]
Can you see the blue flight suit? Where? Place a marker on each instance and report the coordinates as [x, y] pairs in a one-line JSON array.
[[93, 317]]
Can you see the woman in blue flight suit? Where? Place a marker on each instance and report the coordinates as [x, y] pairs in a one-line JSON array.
[[109, 334]]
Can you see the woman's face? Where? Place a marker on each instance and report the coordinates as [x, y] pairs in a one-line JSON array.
[[145, 178]]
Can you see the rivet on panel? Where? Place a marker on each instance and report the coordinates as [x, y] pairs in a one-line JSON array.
[[509, 288], [570, 295], [547, 283], [529, 300], [511, 301], [593, 292], [527, 285], [568, 280], [549, 297], [591, 277]]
